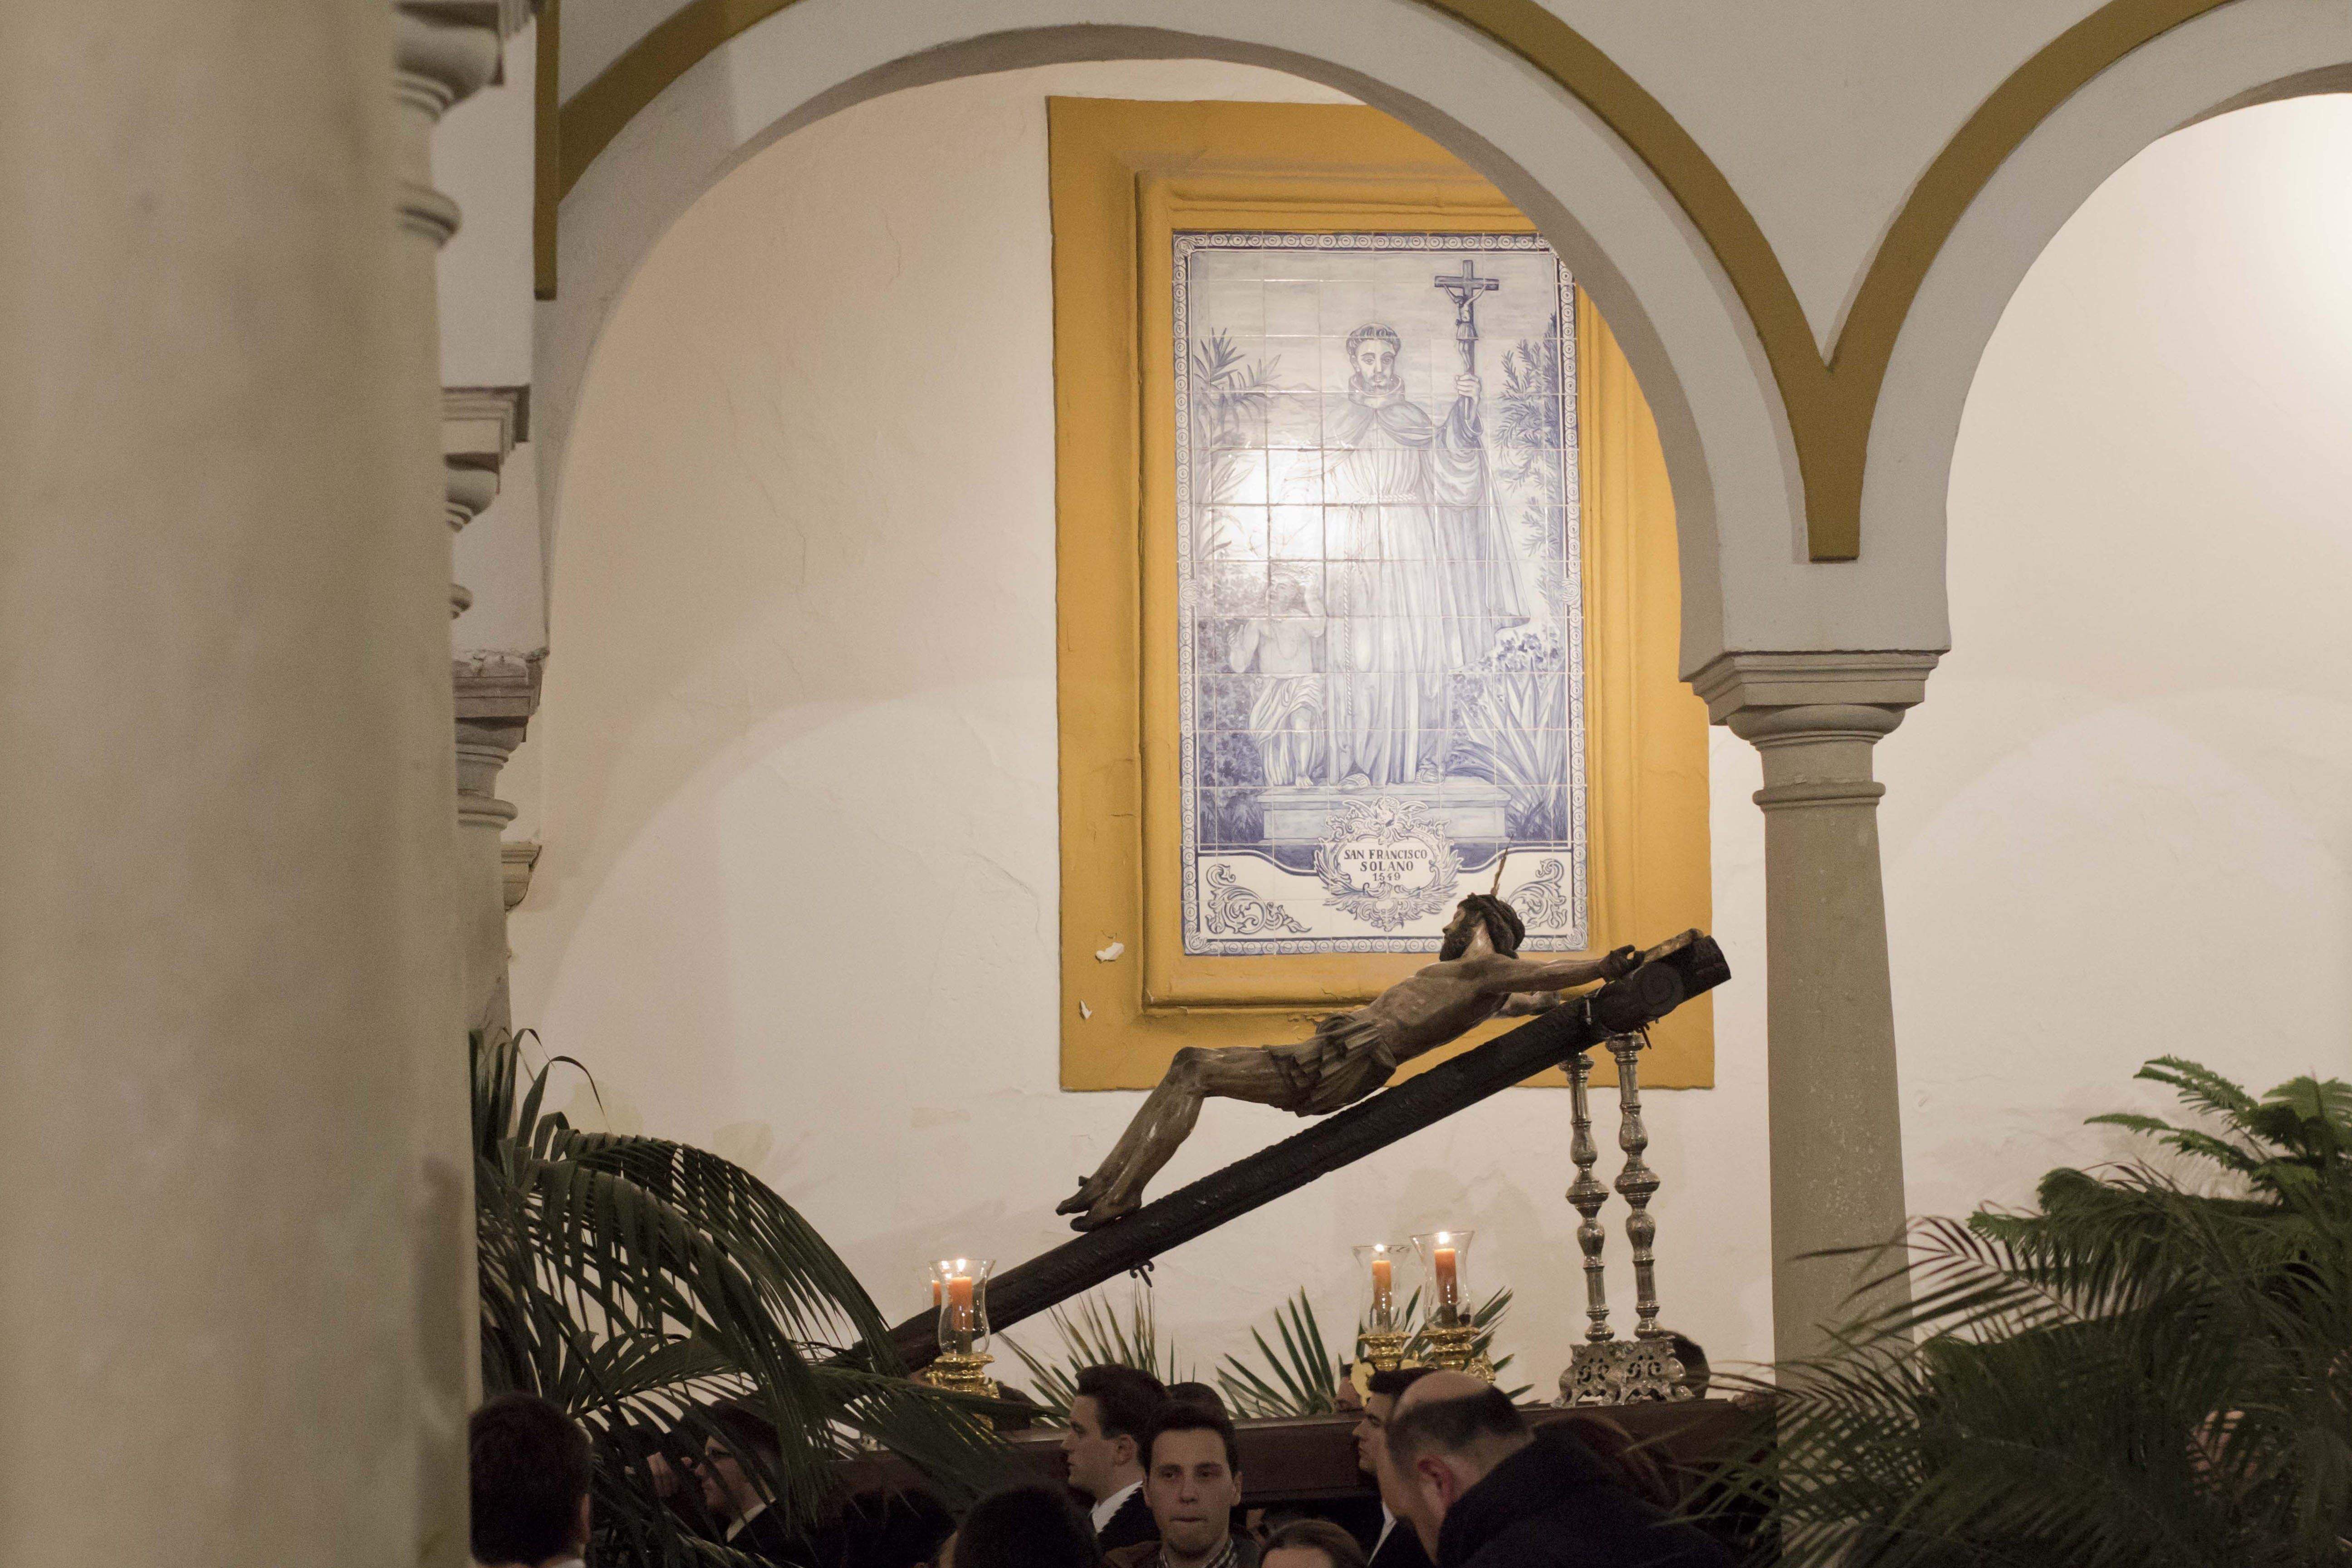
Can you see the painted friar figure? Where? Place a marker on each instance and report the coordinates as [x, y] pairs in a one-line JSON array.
[[1478, 975]]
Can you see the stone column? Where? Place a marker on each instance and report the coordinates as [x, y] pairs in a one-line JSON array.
[[225, 787], [497, 694], [443, 51], [1835, 1117]]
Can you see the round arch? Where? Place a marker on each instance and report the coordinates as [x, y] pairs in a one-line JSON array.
[[1747, 583], [2250, 52]]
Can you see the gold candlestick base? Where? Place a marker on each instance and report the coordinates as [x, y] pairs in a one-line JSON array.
[[1381, 1352], [960, 1373], [1456, 1350]]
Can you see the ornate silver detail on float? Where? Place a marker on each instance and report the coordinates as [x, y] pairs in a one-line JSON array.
[[1606, 1369]]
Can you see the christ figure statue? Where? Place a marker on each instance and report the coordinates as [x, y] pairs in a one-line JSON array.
[[1422, 572], [1478, 975]]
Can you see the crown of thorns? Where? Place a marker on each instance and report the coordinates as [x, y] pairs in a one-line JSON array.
[[1504, 927]]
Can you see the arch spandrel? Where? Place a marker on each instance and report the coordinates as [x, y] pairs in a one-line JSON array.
[[2232, 55]]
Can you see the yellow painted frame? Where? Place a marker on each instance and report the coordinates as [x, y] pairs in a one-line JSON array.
[[1124, 175]]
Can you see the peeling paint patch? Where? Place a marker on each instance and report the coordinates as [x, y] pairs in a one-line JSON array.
[[1085, 1010], [1109, 954]]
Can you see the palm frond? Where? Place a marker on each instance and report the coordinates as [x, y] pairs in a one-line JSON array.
[[639, 1284], [1094, 1333], [1298, 1380], [2133, 1374]]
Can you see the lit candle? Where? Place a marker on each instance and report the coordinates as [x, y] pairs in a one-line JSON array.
[[1449, 1287], [1383, 1283], [960, 1304]]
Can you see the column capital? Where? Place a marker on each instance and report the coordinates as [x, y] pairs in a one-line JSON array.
[[481, 426], [446, 50], [497, 689], [1859, 690], [516, 862]]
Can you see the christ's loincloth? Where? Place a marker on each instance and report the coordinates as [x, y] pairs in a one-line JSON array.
[[1347, 1058]]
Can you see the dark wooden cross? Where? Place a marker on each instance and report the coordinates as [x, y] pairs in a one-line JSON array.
[[1676, 972], [1464, 288]]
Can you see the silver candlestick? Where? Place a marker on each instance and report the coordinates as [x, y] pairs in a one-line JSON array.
[[1607, 1370], [1636, 1183], [1586, 1194]]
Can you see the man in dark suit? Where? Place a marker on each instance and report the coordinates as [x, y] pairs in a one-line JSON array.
[[744, 1445], [1483, 1492], [1113, 1410], [1396, 1545]]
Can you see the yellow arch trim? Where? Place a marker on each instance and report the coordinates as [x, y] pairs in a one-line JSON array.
[[1831, 405]]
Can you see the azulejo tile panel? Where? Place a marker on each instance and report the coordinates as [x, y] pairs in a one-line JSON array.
[[1380, 604]]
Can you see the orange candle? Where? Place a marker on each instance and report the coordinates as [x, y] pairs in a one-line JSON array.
[[1449, 1286], [935, 1295], [1384, 1282], [960, 1304]]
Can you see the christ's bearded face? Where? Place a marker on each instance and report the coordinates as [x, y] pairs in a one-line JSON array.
[[1376, 364]]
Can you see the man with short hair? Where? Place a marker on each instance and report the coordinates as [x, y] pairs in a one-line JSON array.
[[528, 1469], [738, 1462], [1485, 1493], [1394, 1547], [1192, 1479], [1110, 1417]]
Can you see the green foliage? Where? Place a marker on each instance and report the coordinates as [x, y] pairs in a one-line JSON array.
[[639, 1283], [1299, 1378], [1095, 1333], [2136, 1374], [1296, 1380]]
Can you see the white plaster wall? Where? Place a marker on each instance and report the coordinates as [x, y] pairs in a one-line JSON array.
[[796, 761], [2121, 825]]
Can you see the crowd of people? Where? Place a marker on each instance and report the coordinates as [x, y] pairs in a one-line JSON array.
[[1154, 1481]]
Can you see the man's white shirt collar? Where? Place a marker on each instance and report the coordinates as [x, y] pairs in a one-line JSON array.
[[1388, 1522], [1106, 1510], [737, 1528]]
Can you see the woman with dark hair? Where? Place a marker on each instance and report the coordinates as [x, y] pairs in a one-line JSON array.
[[1312, 1544], [1024, 1527]]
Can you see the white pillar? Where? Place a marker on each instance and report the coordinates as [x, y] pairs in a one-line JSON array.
[[445, 50], [225, 789], [1834, 1114], [497, 694]]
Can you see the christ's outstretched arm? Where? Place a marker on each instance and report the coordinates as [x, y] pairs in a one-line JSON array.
[[1517, 975]]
